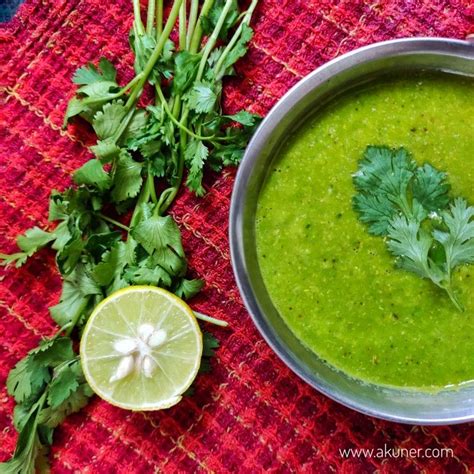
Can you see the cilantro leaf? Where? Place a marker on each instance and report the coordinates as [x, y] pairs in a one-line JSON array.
[[30, 242], [78, 287], [195, 157], [29, 376], [92, 173], [238, 51], [382, 183], [160, 237], [143, 46], [203, 97], [458, 241], [105, 150], [186, 289], [53, 351], [210, 20], [26, 379], [127, 179], [209, 343], [430, 188], [159, 233], [135, 127], [69, 246], [186, 68], [107, 121], [97, 87], [76, 400], [412, 244], [148, 275], [111, 266], [89, 74], [64, 383], [407, 203], [245, 118], [29, 450]]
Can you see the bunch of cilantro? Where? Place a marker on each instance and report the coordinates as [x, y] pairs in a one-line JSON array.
[[429, 233], [112, 229]]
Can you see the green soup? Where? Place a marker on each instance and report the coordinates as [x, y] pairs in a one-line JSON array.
[[334, 284]]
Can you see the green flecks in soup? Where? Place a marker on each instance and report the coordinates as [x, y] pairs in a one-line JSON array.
[[333, 283]]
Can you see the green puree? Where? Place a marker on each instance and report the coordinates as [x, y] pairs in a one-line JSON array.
[[334, 284]]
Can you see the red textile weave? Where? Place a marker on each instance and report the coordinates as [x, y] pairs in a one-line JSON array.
[[250, 414]]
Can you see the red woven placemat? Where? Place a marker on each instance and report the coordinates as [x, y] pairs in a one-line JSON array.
[[250, 414]]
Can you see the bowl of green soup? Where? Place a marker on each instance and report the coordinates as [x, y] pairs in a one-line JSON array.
[[352, 233]]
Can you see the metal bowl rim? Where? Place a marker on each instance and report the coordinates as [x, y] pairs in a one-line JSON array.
[[295, 94]]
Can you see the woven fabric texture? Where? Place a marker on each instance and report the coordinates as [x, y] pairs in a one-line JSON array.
[[251, 413]]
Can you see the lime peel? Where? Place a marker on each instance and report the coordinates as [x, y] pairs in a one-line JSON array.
[[141, 348]]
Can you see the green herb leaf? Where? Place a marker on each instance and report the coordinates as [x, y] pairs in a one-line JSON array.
[[29, 452], [430, 188], [239, 49], [78, 287], [159, 233], [107, 122], [186, 289], [112, 265], [245, 118], [90, 74], [142, 157], [26, 379], [195, 157], [458, 241], [210, 21], [30, 242], [203, 97], [76, 400], [382, 181], [412, 245], [127, 179], [148, 275], [186, 68], [396, 198], [64, 383], [92, 173], [210, 343]]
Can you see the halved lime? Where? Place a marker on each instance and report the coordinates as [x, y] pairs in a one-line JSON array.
[[141, 348]]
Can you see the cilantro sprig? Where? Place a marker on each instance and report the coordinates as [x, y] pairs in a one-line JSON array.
[[429, 234], [110, 230]]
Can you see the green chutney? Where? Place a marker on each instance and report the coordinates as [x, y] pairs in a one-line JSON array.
[[335, 285]]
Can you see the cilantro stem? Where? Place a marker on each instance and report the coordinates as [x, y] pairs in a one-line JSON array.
[[75, 319], [176, 122], [113, 222], [123, 125], [150, 182], [130, 84], [156, 53], [197, 34], [142, 198], [182, 27], [449, 289], [150, 17], [138, 19], [192, 21], [159, 18], [211, 42], [159, 210], [209, 319], [120, 93], [245, 21], [61, 330]]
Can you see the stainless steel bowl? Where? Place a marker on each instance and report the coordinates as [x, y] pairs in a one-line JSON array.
[[303, 100]]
